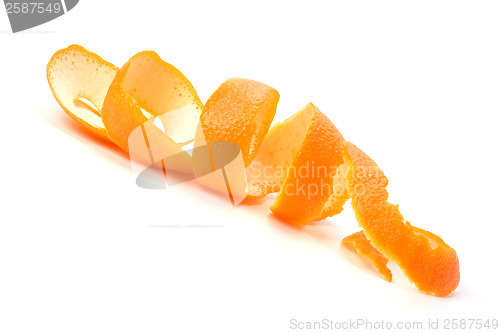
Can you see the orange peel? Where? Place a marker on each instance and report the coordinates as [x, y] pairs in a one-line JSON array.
[[302, 153], [428, 262], [308, 192], [152, 111], [240, 111], [364, 248], [146, 87], [79, 81]]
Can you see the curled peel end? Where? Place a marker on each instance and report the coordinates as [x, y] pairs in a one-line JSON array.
[[363, 247], [79, 81], [428, 262]]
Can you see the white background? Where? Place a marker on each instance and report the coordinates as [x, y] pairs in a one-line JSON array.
[[414, 84]]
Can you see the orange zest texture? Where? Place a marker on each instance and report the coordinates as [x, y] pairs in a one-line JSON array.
[[425, 258], [240, 111], [151, 110]]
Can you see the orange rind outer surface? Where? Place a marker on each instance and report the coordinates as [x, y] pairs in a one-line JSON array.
[[309, 184], [301, 154], [428, 262], [239, 111]]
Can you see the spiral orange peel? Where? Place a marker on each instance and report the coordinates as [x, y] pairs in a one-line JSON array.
[[304, 159]]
